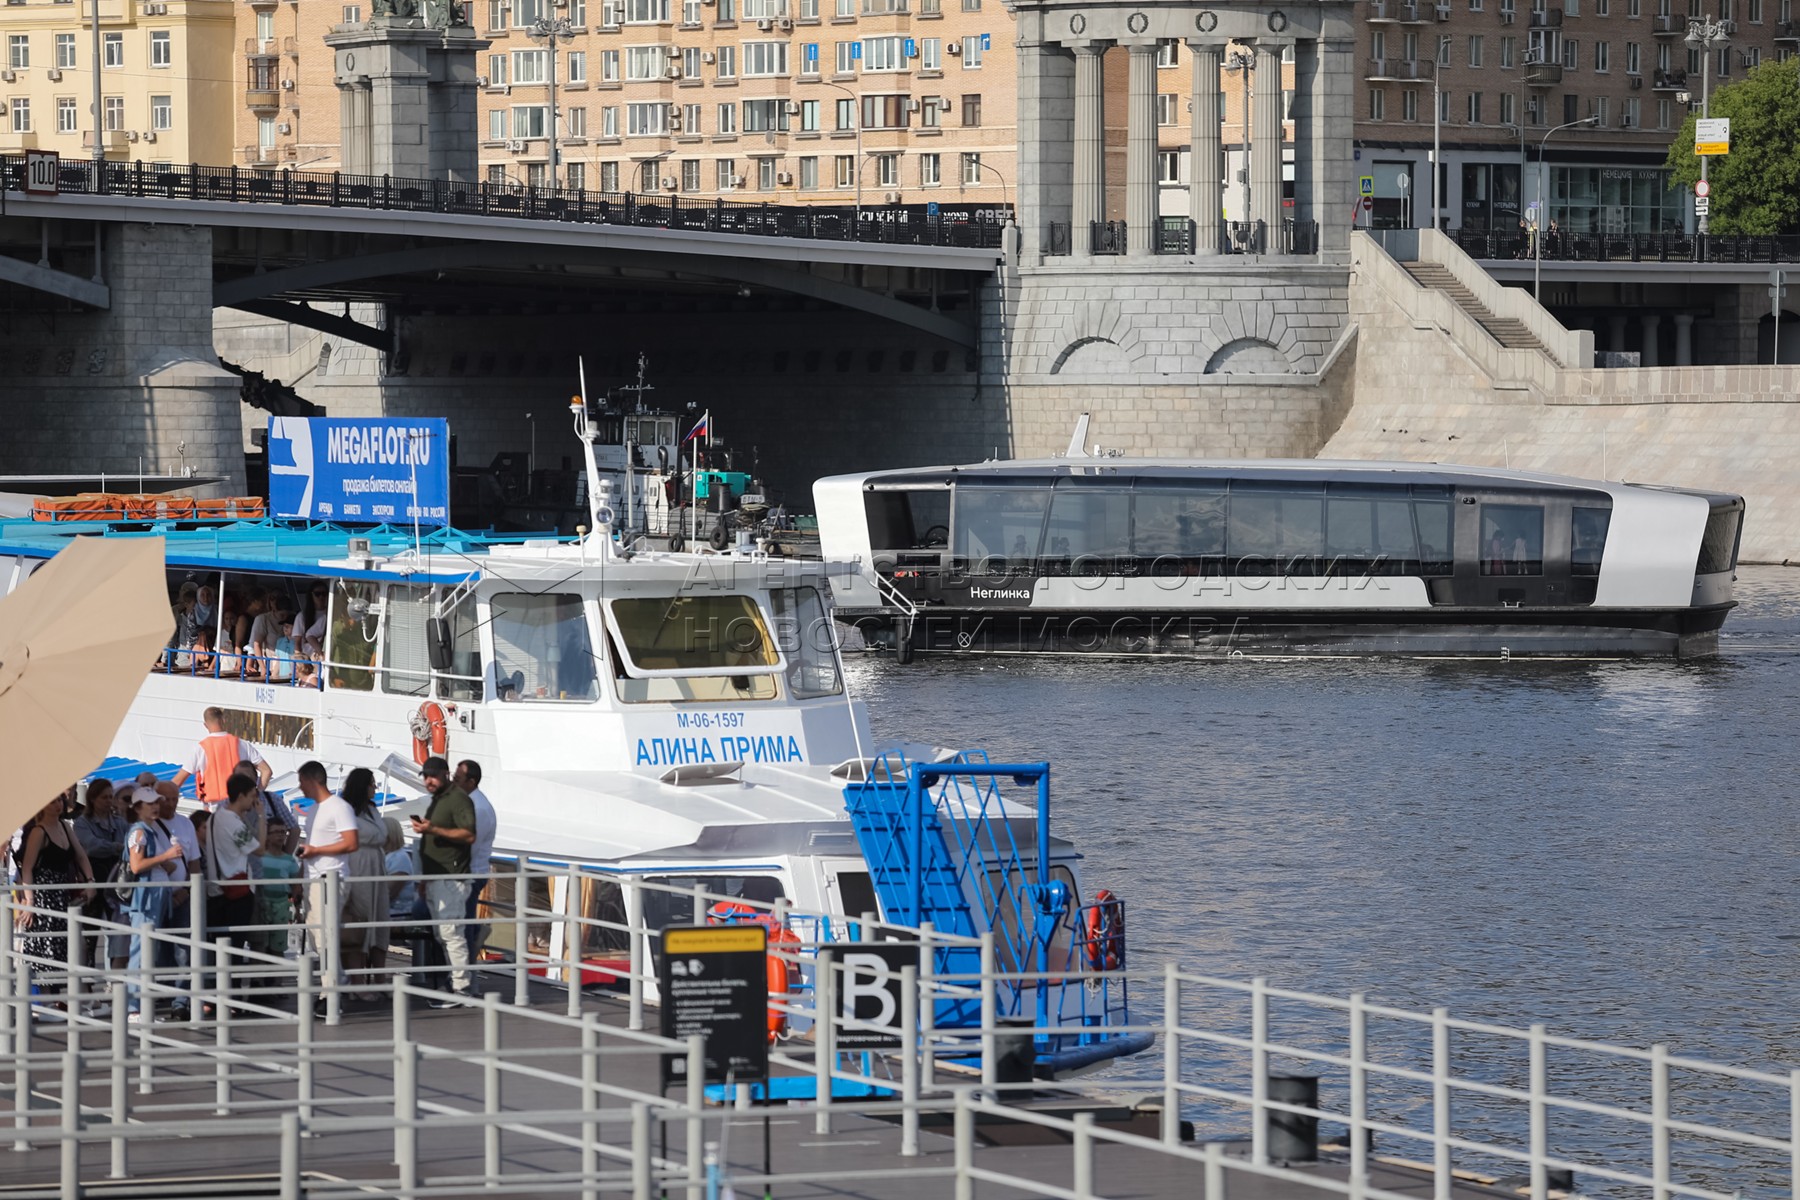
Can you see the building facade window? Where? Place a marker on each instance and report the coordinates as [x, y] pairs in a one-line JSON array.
[[530, 66], [68, 115], [648, 180], [112, 113], [646, 12], [1508, 48], [1603, 56], [1378, 104], [531, 120], [765, 116], [931, 54], [575, 176], [809, 174], [162, 113], [690, 120], [763, 60], [497, 11], [1168, 166], [65, 50], [846, 55], [498, 72], [575, 122], [21, 115], [646, 120], [1165, 108], [809, 116], [845, 116], [727, 120], [727, 65], [971, 110], [642, 63], [931, 170], [609, 176], [1475, 50], [609, 66], [1409, 105], [18, 51], [112, 50], [766, 174], [162, 51], [887, 170], [972, 49], [609, 126], [727, 174], [884, 54], [690, 174], [497, 125], [971, 170], [577, 66], [844, 170], [1474, 108]]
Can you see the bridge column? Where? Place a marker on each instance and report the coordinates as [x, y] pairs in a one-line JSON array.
[[1046, 135], [1206, 168], [409, 103], [1652, 323], [1684, 339], [1089, 201], [1266, 143], [1615, 332]]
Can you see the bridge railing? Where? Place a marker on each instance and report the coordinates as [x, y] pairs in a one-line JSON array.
[[1672, 246], [905, 225]]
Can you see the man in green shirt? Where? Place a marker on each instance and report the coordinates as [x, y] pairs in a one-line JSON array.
[[446, 837]]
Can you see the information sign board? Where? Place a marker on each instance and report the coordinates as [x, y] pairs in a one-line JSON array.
[[360, 470], [1367, 183], [1712, 135], [714, 981], [1702, 206], [865, 994]]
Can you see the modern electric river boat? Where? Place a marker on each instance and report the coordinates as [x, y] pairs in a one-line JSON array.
[[642, 717], [1301, 557]]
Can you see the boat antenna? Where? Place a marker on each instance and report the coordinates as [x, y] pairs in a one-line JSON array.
[[584, 430]]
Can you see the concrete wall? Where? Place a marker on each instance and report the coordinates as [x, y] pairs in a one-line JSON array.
[[1421, 394], [135, 385]]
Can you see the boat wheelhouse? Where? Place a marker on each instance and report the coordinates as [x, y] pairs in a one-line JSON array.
[[646, 721], [1119, 555]]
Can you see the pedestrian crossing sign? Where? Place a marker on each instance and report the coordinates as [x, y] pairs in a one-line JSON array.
[[1368, 185]]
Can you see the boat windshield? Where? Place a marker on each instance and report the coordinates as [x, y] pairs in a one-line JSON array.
[[719, 644]]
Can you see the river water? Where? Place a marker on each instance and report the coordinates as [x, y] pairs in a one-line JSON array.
[[1604, 847]]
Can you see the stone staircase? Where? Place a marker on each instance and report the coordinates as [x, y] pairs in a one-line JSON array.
[[1510, 332]]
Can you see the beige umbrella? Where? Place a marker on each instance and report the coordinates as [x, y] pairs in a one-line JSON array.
[[76, 641]]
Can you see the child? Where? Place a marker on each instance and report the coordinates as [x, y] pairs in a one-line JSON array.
[[277, 892]]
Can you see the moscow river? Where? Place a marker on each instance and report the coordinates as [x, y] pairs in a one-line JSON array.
[[1606, 847]]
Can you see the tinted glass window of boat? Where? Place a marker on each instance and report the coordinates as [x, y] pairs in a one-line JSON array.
[[721, 632], [354, 627], [1432, 517], [1275, 529], [908, 520], [1088, 524], [1512, 539], [1181, 524], [1370, 532], [1588, 540], [1718, 546], [808, 639], [857, 892], [542, 651], [464, 680], [664, 908], [998, 526], [405, 661], [603, 900]]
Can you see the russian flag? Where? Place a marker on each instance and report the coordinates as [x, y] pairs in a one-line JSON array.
[[699, 430]]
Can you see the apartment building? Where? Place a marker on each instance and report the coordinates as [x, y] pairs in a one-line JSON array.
[[287, 111], [1502, 74], [165, 79]]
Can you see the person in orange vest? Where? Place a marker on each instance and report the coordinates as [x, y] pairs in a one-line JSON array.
[[216, 757]]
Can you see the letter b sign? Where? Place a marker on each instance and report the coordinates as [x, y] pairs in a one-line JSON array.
[[867, 994]]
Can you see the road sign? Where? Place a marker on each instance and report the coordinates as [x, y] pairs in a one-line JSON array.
[[1778, 286], [1702, 206], [1702, 188], [864, 995], [715, 982], [1712, 135], [1368, 202], [43, 172], [1367, 183]]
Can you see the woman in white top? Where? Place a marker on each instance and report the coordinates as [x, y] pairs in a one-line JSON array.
[[267, 632]]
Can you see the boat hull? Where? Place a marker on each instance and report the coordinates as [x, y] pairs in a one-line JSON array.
[[1423, 633]]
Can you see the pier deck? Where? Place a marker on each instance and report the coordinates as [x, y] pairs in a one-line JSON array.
[[860, 1157]]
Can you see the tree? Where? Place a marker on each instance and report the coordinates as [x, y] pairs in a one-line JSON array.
[[1755, 188]]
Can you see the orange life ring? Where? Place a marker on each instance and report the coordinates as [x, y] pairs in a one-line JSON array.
[[782, 975], [1105, 929], [430, 732]]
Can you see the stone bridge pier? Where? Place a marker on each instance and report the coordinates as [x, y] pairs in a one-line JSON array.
[[1184, 337], [112, 369]]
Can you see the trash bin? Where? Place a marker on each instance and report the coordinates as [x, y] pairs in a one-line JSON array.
[[1293, 1137]]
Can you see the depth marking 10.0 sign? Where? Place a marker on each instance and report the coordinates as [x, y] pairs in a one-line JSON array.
[[714, 982]]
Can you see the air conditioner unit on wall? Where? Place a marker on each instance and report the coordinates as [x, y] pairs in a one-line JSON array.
[[8, 75], [707, 56], [765, 24], [284, 128], [287, 85], [673, 73], [516, 145], [783, 177], [675, 53], [131, 135], [149, 135], [953, 48], [669, 182], [55, 75], [785, 24]]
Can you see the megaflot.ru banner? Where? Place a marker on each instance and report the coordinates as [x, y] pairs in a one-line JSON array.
[[360, 470]]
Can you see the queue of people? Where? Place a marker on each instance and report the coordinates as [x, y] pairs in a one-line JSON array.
[[265, 875]]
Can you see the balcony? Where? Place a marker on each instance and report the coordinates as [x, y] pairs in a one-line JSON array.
[[1787, 31], [262, 82], [254, 154], [1666, 26], [1383, 12], [1415, 14], [15, 143], [112, 141], [1550, 18], [1393, 70], [1543, 74], [1669, 81]]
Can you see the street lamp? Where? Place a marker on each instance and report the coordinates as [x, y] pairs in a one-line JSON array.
[[1240, 61], [855, 115], [99, 146], [552, 30], [1537, 254], [1705, 35]]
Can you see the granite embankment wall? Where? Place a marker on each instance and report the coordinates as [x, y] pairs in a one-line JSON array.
[[1427, 390]]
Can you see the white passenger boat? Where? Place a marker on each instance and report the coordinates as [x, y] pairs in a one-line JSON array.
[[678, 719], [1144, 555]]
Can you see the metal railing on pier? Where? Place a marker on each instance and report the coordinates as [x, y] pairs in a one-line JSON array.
[[1667, 247], [249, 1062], [905, 225]]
